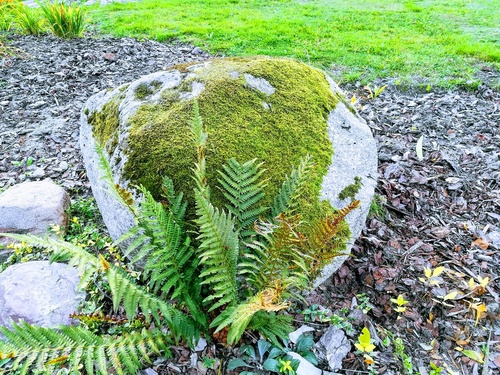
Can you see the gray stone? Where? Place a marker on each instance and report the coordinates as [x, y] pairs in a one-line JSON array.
[[32, 207], [259, 84], [333, 347], [354, 155], [39, 293]]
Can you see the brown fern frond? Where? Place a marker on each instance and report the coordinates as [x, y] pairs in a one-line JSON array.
[[323, 239], [126, 195]]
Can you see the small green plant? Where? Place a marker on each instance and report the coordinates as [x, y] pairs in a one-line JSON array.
[[375, 92], [270, 358], [29, 20], [230, 270], [435, 369], [7, 10], [64, 20], [377, 207]]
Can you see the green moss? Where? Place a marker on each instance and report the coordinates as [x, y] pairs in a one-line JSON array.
[[351, 190], [105, 124], [143, 90], [238, 125]]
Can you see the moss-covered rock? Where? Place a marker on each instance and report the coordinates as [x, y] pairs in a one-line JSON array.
[[275, 110]]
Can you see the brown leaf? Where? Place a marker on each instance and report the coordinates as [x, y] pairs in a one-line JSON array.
[[483, 244]]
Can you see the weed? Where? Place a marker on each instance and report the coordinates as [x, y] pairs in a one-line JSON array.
[[28, 19], [377, 207], [375, 92], [65, 21]]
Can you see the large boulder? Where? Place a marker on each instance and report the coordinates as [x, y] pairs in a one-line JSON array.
[[275, 110], [39, 293]]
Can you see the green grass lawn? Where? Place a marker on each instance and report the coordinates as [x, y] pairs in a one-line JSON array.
[[439, 42]]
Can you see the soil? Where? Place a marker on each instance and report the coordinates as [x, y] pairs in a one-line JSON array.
[[440, 208]]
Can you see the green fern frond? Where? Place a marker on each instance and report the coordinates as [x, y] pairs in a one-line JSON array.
[[324, 241], [272, 326], [278, 253], [286, 201], [218, 252], [175, 202], [120, 194], [36, 348], [218, 249], [243, 189]]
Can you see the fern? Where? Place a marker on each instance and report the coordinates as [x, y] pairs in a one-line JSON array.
[[122, 286], [272, 326], [116, 191], [286, 201], [277, 253], [243, 190], [218, 247], [239, 317], [32, 347], [323, 240]]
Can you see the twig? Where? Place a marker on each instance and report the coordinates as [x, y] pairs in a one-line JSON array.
[[486, 357]]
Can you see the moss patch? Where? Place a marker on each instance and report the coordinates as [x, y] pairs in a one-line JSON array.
[[105, 124], [351, 190], [144, 90], [238, 125]]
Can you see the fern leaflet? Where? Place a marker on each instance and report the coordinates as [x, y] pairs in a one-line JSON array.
[[32, 347], [286, 201]]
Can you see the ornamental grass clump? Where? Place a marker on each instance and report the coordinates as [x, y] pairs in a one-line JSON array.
[[64, 20], [29, 20], [230, 270]]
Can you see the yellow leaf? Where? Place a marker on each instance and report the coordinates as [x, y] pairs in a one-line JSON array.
[[400, 309], [472, 285], [451, 295], [434, 282], [364, 344], [104, 263], [58, 360], [368, 360], [483, 282], [353, 99], [478, 357], [427, 272], [400, 301], [438, 271], [480, 308]]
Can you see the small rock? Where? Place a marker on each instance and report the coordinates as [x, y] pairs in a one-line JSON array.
[[197, 51], [63, 165], [31, 207], [294, 336], [333, 347], [38, 173], [305, 367]]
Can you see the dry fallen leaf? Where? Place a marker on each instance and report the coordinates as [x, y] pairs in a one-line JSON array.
[[483, 244]]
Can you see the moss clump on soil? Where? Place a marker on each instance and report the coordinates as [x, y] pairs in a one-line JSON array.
[[239, 124]]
